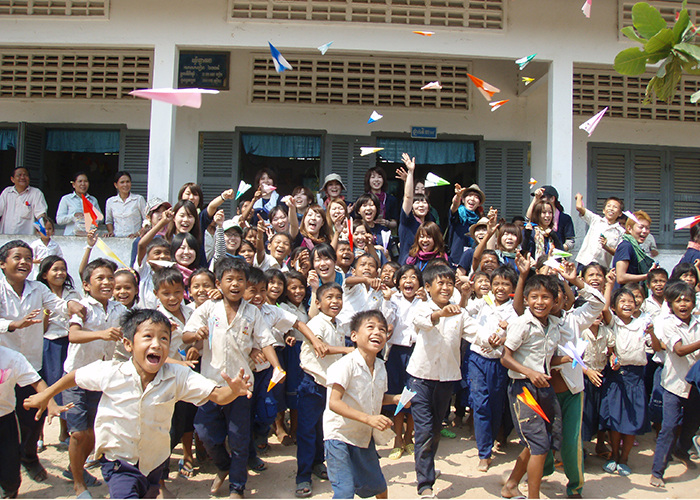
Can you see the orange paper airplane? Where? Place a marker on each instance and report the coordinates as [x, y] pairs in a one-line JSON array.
[[424, 33], [486, 89], [527, 398]]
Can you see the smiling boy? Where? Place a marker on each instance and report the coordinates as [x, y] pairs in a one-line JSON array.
[[138, 397]]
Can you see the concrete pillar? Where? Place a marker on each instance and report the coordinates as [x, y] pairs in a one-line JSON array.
[[560, 129], [162, 139]]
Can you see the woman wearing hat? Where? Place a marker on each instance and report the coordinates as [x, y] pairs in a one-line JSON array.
[[465, 211], [332, 187], [562, 223]]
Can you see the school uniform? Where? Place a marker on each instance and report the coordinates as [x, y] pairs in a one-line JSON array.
[[433, 368], [398, 311], [624, 405], [652, 309], [533, 345], [41, 251], [82, 416], [29, 342], [596, 358], [132, 423], [591, 250], [681, 401], [291, 355], [353, 462], [147, 296], [228, 349], [311, 395], [267, 262], [356, 298], [15, 370]]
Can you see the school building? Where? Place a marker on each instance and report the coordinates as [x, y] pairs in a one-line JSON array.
[[67, 66]]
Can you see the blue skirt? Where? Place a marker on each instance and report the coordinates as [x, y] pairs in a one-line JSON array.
[[624, 405], [294, 373], [396, 365], [591, 408], [54, 355]]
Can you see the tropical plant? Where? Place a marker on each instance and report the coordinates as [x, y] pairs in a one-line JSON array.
[[670, 46]]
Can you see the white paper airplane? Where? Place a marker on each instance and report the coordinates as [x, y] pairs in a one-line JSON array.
[[431, 86], [243, 186], [686, 222], [281, 63], [406, 396], [630, 215], [386, 236], [374, 117], [590, 124], [524, 61], [575, 352], [364, 151], [277, 376], [554, 264], [497, 104], [162, 263], [323, 48], [432, 180]]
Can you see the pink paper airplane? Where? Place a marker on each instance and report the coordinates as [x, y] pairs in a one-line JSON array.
[[192, 98], [487, 90], [686, 222], [590, 124], [586, 9]]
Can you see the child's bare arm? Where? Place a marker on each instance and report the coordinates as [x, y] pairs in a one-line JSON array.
[[337, 405], [320, 347], [42, 399], [79, 336], [609, 284], [271, 356], [683, 350], [91, 240], [340, 349], [239, 386], [147, 238], [579, 205]]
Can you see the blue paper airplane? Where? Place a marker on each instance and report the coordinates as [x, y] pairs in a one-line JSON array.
[[280, 62]]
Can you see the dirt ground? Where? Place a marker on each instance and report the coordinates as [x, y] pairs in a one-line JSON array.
[[457, 459]]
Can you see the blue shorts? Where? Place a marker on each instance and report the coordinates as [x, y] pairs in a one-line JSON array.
[[82, 416], [535, 432], [354, 471]]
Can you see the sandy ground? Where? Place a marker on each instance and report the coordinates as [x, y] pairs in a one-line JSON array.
[[457, 460]]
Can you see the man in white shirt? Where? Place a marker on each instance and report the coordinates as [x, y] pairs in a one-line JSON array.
[[20, 205]]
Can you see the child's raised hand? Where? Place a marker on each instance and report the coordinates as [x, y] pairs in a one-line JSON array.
[[578, 197], [422, 294], [408, 161], [539, 380], [313, 280], [202, 333], [401, 174], [450, 310], [379, 422], [595, 377], [228, 194], [258, 194], [215, 294], [219, 218], [523, 263], [168, 215], [569, 272], [192, 354], [29, 320], [611, 277], [113, 333], [539, 193], [257, 356], [240, 386]]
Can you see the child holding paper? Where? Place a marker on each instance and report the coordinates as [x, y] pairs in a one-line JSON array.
[[352, 421], [604, 233]]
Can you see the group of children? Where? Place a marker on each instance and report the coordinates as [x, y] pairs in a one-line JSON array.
[[335, 333]]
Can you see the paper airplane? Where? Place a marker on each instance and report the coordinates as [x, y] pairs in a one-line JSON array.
[[532, 182], [554, 264], [487, 90], [39, 225], [524, 61], [109, 252], [243, 186], [323, 48], [686, 222], [91, 216], [424, 33], [212, 324], [490, 299], [267, 189], [192, 98], [5, 375], [162, 263], [431, 86], [432, 180], [590, 124], [182, 352], [406, 396], [364, 151], [374, 117], [277, 377], [586, 9], [560, 253], [351, 239], [386, 236], [527, 398], [575, 352], [497, 104], [527, 80], [630, 215], [281, 63]]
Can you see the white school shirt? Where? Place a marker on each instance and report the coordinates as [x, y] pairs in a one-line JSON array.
[[147, 297], [127, 216], [42, 251], [596, 354], [364, 391], [355, 299], [571, 328], [301, 314], [399, 312], [279, 322], [18, 211], [591, 249], [19, 372], [532, 343], [229, 344], [268, 262], [322, 326], [436, 355], [68, 206], [58, 323], [628, 340], [30, 340], [97, 318], [676, 367], [133, 424], [488, 317], [176, 335]]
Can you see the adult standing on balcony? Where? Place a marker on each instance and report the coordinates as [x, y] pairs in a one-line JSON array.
[[70, 211], [20, 204]]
